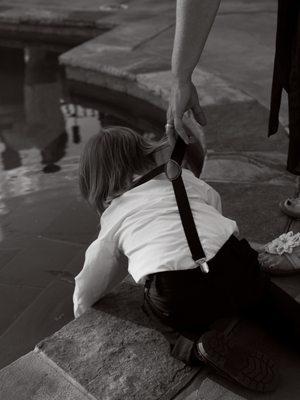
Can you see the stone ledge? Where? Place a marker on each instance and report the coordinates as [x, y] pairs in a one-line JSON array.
[[105, 352], [52, 24], [53, 15], [34, 377]]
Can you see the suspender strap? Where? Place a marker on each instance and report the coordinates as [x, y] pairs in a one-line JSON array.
[[147, 177], [177, 156], [184, 209], [178, 151], [182, 200]]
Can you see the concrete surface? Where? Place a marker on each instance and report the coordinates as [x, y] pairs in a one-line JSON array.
[[132, 57], [34, 377], [114, 358]]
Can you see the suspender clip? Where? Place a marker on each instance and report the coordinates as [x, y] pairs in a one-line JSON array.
[[203, 265], [173, 170]]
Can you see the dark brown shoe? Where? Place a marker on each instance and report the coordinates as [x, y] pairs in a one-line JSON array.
[[250, 368]]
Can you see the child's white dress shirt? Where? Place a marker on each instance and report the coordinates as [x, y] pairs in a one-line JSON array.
[[141, 233]]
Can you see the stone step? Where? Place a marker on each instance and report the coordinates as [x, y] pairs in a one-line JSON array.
[[110, 352], [114, 353], [34, 377]]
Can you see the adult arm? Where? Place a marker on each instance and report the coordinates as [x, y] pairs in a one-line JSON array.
[[194, 19]]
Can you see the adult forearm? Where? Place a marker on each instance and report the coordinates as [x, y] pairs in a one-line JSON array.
[[194, 19]]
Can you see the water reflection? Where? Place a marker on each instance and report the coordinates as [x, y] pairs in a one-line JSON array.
[[43, 129], [40, 124], [40, 129]]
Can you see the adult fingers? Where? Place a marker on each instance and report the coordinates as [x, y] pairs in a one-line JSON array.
[[170, 119], [199, 113], [171, 134], [180, 130], [169, 127]]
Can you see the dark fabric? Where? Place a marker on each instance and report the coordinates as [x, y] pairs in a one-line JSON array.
[[183, 304], [279, 313], [182, 344], [178, 150], [287, 76]]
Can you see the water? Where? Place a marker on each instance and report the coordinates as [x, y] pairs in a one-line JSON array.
[[42, 127], [45, 225]]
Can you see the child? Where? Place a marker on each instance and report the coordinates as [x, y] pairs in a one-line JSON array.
[[141, 234]]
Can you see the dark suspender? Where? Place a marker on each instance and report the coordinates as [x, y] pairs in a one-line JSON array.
[[147, 177], [182, 201]]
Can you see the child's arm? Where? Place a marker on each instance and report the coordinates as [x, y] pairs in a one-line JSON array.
[[103, 269]]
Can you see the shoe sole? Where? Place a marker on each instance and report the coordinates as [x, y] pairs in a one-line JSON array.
[[255, 370]]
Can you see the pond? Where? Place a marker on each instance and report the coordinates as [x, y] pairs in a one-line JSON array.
[[43, 128]]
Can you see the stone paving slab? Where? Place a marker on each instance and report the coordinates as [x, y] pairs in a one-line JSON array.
[[54, 24], [242, 127], [6, 255], [210, 389], [13, 301], [77, 223], [97, 348], [59, 18], [125, 303], [255, 208], [247, 167], [250, 36], [213, 90], [51, 310], [32, 377], [75, 265], [33, 214], [38, 264], [113, 52], [238, 6], [91, 5]]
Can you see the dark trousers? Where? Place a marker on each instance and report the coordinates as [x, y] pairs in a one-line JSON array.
[[183, 304], [287, 76]]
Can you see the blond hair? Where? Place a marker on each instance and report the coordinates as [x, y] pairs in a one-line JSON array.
[[109, 161]]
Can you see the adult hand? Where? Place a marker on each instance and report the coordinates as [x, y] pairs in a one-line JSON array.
[[183, 98]]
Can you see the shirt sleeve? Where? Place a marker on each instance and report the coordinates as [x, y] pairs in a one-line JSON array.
[[213, 198], [103, 269]]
